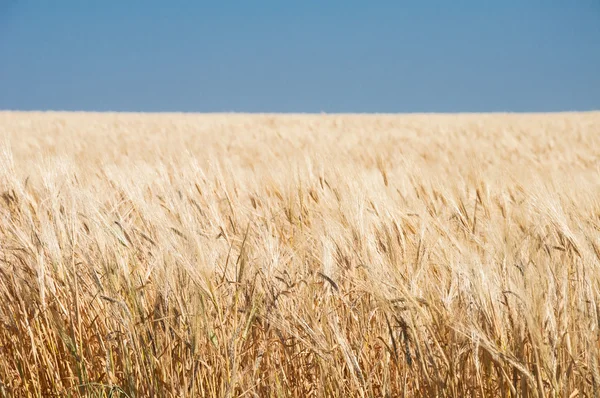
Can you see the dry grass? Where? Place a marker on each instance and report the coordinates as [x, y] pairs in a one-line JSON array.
[[305, 256]]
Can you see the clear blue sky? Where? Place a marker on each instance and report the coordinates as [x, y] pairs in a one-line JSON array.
[[300, 56]]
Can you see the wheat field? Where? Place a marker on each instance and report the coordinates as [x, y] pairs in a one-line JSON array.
[[182, 255]]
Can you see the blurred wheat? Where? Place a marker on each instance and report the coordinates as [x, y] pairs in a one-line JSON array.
[[304, 256]]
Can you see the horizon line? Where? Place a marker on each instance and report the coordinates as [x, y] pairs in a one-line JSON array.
[[322, 113]]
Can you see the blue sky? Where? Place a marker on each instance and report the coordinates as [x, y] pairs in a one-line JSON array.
[[300, 56]]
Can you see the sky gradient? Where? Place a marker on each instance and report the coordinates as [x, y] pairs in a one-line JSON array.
[[302, 56]]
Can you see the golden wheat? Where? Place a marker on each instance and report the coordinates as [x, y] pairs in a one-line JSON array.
[[304, 256]]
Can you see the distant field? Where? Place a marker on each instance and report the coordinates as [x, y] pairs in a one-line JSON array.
[[300, 255]]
